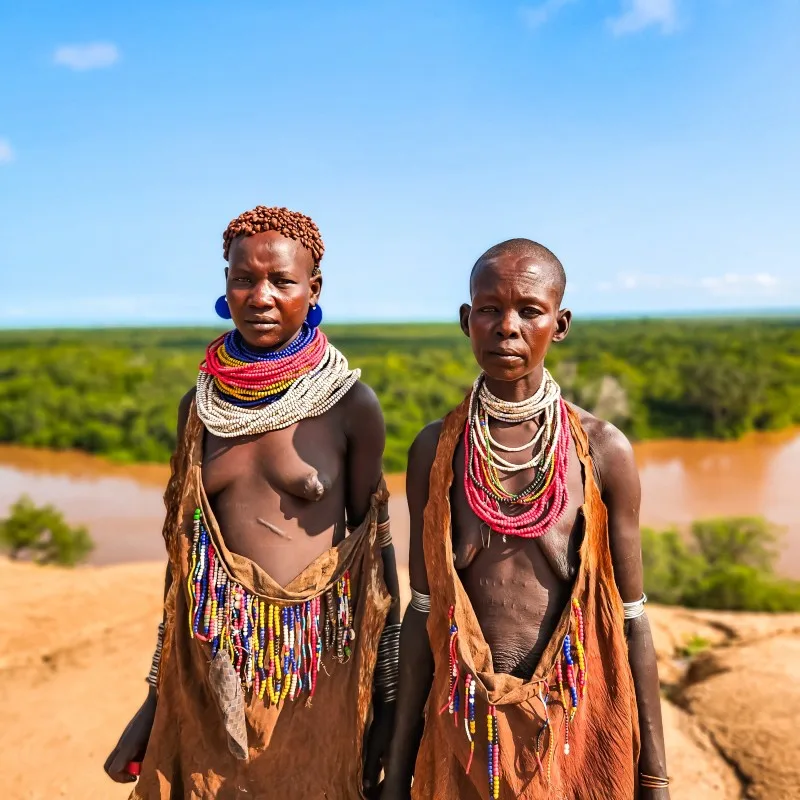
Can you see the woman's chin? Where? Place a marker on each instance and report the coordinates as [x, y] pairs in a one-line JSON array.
[[265, 337]]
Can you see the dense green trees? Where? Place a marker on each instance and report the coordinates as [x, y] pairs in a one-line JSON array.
[[116, 391]]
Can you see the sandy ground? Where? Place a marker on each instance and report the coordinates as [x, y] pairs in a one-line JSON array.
[[76, 645]]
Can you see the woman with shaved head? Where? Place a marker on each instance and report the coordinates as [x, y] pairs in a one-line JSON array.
[[526, 642]]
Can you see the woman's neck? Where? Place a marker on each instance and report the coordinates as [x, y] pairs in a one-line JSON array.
[[518, 390]]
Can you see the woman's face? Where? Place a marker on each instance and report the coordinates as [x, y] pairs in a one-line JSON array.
[[269, 287]]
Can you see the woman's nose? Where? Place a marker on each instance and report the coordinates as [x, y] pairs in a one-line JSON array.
[[261, 296], [508, 325]]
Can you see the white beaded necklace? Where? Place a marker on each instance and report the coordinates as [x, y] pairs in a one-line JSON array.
[[545, 399], [309, 396], [507, 411]]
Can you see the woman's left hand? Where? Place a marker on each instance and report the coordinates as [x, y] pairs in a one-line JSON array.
[[376, 746]]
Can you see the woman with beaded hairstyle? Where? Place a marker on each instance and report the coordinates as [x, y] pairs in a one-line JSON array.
[[279, 644]]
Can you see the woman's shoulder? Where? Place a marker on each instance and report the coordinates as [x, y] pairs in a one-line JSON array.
[[362, 400]]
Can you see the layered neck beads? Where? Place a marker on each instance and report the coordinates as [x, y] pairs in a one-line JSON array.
[[241, 392], [544, 499]]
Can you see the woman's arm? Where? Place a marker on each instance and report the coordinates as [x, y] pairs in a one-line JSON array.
[[365, 444], [621, 493], [133, 742], [416, 658]]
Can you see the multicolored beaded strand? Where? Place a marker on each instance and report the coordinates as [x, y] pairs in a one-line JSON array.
[[276, 650], [469, 716], [452, 698], [576, 680], [579, 646], [544, 691], [564, 702], [494, 752]]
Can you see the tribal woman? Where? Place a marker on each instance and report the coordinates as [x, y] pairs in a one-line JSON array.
[[275, 673], [526, 640]]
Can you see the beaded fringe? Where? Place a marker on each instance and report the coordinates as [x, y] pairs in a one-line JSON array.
[[276, 650], [570, 662]]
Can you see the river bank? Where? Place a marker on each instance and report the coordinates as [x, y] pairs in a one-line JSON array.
[[68, 691]]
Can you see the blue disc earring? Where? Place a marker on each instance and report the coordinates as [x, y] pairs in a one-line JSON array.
[[314, 316], [222, 308]]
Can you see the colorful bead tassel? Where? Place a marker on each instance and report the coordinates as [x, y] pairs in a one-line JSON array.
[[276, 650], [494, 753]]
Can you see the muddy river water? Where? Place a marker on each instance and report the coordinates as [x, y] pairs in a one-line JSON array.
[[681, 481]]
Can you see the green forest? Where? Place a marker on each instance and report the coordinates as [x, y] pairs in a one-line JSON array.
[[115, 392]]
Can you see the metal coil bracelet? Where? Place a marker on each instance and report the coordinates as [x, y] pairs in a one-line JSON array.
[[387, 666], [635, 609]]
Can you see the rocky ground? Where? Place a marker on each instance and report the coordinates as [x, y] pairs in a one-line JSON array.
[[76, 645]]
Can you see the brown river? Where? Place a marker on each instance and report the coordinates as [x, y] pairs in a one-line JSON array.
[[681, 481]]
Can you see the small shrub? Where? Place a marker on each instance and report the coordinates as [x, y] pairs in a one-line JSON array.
[[41, 534], [694, 646], [723, 564]]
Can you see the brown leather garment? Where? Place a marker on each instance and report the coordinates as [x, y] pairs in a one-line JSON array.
[[297, 751], [604, 733]]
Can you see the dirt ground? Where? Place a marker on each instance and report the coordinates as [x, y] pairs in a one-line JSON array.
[[76, 646]]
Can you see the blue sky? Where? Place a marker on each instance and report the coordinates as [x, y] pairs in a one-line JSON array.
[[654, 145]]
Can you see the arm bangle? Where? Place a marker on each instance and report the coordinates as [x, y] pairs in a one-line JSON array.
[[152, 676], [652, 782], [421, 602], [384, 534], [635, 609], [387, 665]]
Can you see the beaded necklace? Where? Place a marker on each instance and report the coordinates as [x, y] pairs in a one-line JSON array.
[[241, 392], [545, 498], [245, 377]]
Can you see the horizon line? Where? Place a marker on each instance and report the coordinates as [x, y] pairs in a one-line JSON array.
[[710, 314]]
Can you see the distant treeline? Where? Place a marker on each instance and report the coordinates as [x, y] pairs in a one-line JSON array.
[[115, 392]]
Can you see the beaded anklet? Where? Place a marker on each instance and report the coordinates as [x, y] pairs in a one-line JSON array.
[[275, 649]]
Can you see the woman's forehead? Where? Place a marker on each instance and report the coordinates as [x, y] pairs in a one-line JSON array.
[[518, 276], [269, 249]]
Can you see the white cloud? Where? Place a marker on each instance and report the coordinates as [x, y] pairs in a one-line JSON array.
[[729, 284], [734, 283], [80, 57], [640, 14], [536, 16], [6, 153]]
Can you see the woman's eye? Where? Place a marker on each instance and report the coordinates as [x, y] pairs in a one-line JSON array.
[[242, 280], [530, 312], [488, 310]]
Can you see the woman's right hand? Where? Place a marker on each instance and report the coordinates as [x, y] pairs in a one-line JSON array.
[[133, 742]]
